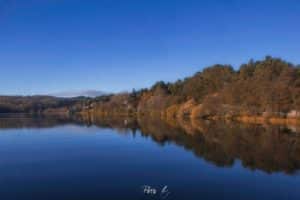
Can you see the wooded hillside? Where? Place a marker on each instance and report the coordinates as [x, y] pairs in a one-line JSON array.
[[269, 87]]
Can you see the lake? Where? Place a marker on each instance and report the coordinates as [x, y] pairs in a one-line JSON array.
[[59, 159]]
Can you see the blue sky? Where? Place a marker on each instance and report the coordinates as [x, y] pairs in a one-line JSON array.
[[47, 46]]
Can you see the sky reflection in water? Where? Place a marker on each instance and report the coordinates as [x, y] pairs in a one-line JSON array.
[[114, 158]]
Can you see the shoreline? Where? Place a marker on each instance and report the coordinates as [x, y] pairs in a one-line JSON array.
[[242, 119], [164, 117], [270, 120]]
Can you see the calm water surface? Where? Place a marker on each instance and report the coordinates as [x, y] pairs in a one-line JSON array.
[[61, 159]]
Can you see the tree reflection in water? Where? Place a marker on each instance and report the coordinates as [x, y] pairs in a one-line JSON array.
[[265, 147]]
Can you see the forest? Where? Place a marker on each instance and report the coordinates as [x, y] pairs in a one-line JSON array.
[[265, 88], [41, 104]]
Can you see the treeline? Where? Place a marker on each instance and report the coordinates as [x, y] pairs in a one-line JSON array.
[[265, 88], [269, 88], [41, 104]]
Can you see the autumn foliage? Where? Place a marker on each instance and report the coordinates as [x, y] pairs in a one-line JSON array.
[[268, 88]]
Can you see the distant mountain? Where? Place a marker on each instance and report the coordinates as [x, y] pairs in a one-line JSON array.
[[85, 93]]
